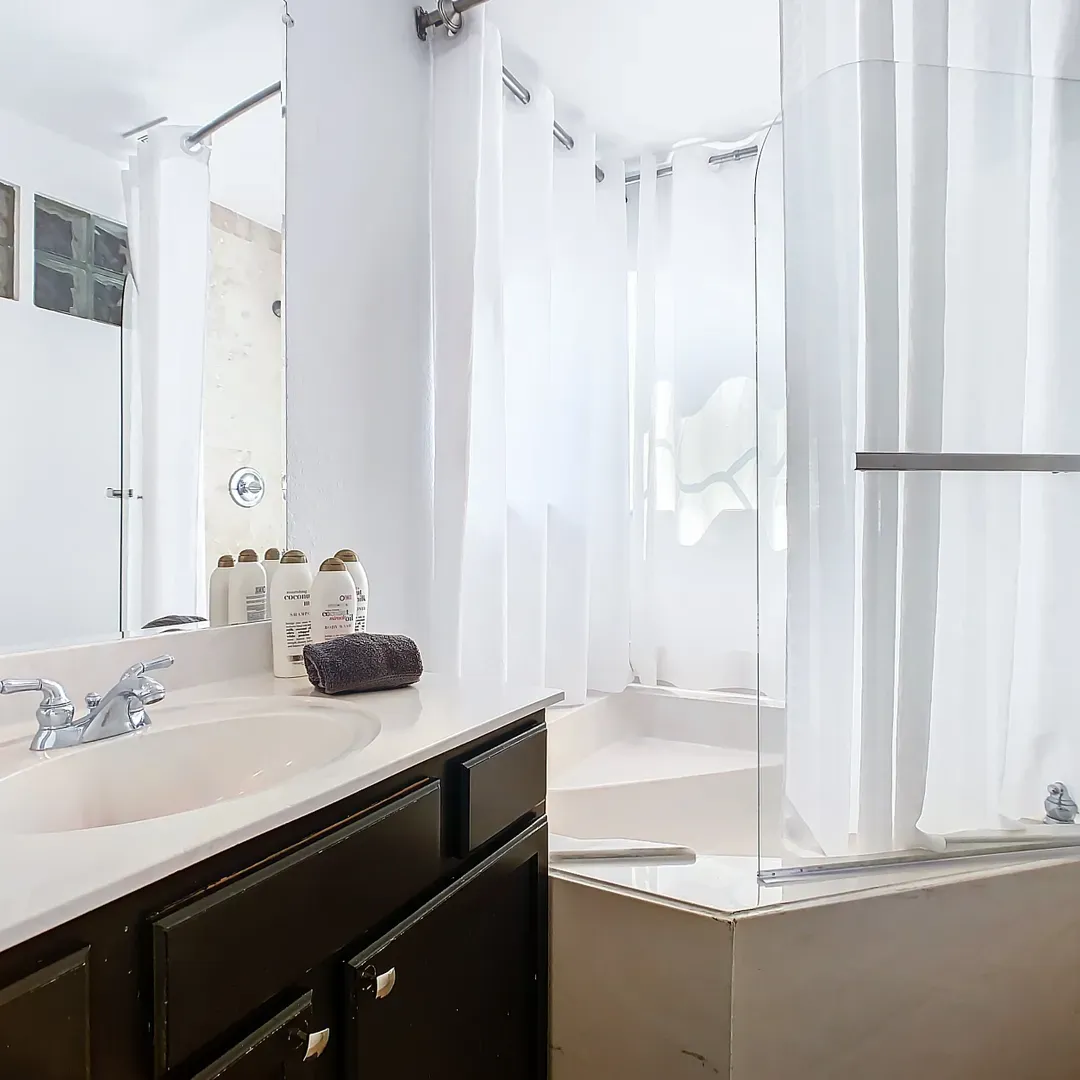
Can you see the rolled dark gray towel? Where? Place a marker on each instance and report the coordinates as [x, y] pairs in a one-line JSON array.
[[357, 662]]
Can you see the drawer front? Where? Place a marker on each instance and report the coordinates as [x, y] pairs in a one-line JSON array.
[[220, 957], [500, 786], [278, 1048], [458, 991], [45, 1022]]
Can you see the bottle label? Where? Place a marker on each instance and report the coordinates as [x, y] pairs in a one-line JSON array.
[[361, 612], [297, 619], [338, 617], [256, 604]]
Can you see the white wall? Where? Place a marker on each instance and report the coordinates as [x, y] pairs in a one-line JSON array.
[[243, 406], [60, 437], [358, 297]]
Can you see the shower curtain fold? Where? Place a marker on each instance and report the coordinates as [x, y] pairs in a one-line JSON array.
[[530, 310]]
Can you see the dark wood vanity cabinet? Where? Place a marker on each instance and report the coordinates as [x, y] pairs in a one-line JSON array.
[[400, 932]]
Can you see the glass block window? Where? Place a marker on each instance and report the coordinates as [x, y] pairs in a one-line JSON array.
[[79, 262], [8, 210]]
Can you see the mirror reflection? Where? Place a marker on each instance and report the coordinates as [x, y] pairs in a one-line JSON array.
[[141, 219]]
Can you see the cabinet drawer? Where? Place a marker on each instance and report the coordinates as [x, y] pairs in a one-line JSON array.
[[278, 1048], [459, 989], [45, 1022], [500, 786], [220, 957]]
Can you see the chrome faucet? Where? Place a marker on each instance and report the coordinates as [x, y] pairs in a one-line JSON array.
[[117, 712]]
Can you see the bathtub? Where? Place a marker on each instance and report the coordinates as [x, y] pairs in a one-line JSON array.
[[669, 767]]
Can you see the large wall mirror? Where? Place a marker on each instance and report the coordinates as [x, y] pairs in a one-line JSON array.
[[140, 309]]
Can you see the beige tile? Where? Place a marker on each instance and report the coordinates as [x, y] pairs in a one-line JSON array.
[[976, 978], [640, 991]]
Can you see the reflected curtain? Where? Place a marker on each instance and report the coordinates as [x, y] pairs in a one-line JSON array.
[[708, 256], [167, 189], [930, 197]]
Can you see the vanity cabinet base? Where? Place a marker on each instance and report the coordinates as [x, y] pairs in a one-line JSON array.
[[356, 942]]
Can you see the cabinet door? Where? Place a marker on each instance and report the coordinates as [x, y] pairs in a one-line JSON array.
[[460, 990], [45, 1023]]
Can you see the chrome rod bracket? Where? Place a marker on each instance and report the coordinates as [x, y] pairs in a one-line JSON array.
[[447, 13]]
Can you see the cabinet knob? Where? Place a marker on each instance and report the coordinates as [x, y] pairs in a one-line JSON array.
[[380, 984]]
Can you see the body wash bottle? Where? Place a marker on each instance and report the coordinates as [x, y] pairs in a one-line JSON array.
[[333, 602], [219, 591], [356, 572], [290, 607], [247, 589]]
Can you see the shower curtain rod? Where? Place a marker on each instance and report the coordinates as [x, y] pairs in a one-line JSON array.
[[518, 89], [449, 13], [249, 103]]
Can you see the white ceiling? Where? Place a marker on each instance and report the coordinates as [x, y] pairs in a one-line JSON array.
[[644, 73], [91, 70], [649, 73]]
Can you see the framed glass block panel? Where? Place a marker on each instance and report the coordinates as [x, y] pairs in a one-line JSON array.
[[8, 221], [80, 262]]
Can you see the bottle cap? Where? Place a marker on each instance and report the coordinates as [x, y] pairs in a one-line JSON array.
[[272, 554], [247, 555], [347, 555], [332, 565], [293, 556], [226, 560]]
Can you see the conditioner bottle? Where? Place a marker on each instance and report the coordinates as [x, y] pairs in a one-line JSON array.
[[247, 589], [219, 591]]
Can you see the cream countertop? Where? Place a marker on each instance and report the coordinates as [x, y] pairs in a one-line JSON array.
[[51, 878]]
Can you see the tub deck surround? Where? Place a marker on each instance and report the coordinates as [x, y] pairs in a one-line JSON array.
[[54, 877], [676, 767]]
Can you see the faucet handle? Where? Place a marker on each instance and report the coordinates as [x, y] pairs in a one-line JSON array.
[[55, 709], [144, 666]]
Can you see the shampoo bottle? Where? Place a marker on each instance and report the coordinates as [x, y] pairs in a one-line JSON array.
[[290, 607], [219, 591], [333, 602], [247, 589], [356, 572]]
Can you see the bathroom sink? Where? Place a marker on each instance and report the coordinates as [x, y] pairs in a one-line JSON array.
[[190, 757]]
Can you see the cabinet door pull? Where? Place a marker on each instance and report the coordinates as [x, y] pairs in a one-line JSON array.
[[316, 1043], [384, 983], [380, 984]]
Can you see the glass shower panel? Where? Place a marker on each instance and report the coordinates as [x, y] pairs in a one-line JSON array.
[[931, 250], [772, 525]]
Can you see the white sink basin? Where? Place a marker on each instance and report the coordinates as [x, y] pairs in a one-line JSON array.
[[190, 757]]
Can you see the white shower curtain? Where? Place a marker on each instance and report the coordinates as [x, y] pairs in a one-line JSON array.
[[530, 387], [932, 265], [167, 190], [570, 548]]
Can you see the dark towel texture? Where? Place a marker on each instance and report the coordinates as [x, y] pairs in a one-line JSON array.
[[360, 662]]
